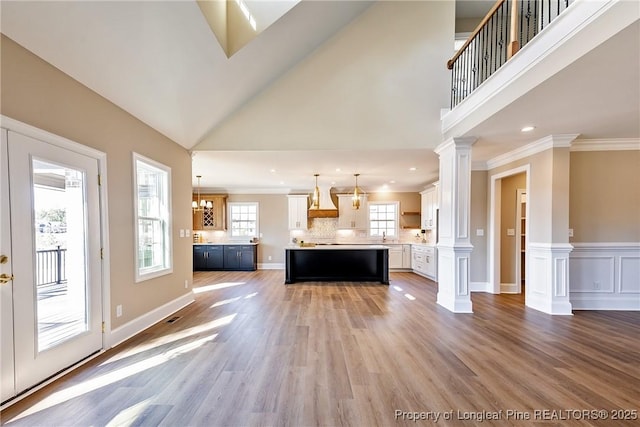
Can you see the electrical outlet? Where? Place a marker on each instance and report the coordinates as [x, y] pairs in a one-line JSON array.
[[118, 310], [511, 232], [479, 232], [269, 258], [186, 284], [596, 285], [571, 232]]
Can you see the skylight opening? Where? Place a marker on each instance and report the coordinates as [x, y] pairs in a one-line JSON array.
[[248, 16]]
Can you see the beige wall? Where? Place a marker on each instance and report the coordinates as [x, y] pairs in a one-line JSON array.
[[479, 201], [548, 194], [509, 188], [273, 223], [604, 202], [40, 95]]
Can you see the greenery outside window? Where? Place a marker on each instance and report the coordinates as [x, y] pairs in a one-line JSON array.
[[243, 219], [152, 211], [383, 219]]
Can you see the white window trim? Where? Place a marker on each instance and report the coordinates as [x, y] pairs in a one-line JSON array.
[[163, 271], [397, 218], [230, 220]]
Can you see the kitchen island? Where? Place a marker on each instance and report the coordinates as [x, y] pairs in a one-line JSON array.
[[347, 263]]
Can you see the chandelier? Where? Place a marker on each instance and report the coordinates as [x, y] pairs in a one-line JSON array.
[[200, 204]]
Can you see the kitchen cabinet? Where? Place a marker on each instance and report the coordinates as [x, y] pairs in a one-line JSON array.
[[240, 257], [395, 256], [349, 218], [207, 257], [213, 218], [424, 261], [399, 256], [298, 206], [429, 207], [406, 256]]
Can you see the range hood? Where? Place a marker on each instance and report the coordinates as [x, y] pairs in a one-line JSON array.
[[326, 208]]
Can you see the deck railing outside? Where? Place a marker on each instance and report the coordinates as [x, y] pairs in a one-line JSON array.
[[50, 266], [509, 25]]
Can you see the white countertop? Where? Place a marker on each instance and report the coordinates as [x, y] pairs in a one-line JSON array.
[[226, 243], [341, 247]]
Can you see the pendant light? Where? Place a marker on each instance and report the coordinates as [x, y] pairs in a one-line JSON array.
[[200, 204], [356, 194], [315, 199]]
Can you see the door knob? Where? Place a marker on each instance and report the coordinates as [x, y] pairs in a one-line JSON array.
[[4, 278], [3, 259]]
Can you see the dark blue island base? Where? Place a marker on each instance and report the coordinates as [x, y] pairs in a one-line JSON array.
[[343, 263]]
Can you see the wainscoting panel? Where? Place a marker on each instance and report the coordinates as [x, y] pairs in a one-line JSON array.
[[605, 276]]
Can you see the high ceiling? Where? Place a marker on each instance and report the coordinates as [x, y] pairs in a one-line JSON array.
[[160, 61]]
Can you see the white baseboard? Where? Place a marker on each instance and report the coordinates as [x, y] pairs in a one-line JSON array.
[[480, 287], [601, 302], [141, 323], [509, 288], [271, 266]]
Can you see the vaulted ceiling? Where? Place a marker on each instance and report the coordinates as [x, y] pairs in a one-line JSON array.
[[351, 85]]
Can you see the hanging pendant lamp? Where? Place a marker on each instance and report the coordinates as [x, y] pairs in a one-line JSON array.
[[356, 194]]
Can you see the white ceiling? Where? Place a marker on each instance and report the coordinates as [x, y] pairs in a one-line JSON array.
[[159, 61]]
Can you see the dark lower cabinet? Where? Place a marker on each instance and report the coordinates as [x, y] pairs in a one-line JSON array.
[[240, 257], [225, 257], [208, 257]]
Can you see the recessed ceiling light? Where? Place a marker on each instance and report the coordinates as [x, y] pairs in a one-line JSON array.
[[338, 169], [412, 169], [281, 182], [527, 129], [392, 182], [273, 171]]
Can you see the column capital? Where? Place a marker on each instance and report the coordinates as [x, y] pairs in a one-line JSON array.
[[462, 141]]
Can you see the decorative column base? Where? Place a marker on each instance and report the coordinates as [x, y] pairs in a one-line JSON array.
[[547, 286], [453, 277]]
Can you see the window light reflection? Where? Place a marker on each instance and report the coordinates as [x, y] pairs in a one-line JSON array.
[[216, 286], [109, 378], [409, 297]]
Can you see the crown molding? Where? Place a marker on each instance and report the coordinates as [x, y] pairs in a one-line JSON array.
[[551, 141], [612, 144]]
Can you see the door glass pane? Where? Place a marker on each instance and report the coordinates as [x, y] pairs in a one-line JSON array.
[[60, 248]]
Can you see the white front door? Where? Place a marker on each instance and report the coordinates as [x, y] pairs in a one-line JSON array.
[[55, 258]]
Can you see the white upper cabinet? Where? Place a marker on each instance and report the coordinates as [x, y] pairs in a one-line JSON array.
[[298, 206], [429, 206], [349, 218]]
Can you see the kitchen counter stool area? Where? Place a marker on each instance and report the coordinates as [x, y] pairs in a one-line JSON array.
[[232, 257]]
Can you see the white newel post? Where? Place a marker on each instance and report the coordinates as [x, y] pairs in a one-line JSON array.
[[454, 246]]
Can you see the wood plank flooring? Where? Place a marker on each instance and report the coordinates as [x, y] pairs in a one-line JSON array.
[[252, 351]]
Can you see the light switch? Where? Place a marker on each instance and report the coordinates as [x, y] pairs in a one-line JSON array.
[[511, 232], [187, 232], [479, 232], [181, 232], [571, 232]]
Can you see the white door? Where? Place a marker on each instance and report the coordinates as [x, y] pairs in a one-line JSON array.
[[55, 259], [7, 383]]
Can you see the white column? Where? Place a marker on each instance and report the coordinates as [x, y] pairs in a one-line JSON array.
[[454, 245]]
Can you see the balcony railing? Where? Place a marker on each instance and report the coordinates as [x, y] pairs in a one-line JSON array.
[[509, 25], [50, 267]]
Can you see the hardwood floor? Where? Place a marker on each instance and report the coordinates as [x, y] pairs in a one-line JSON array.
[[252, 351]]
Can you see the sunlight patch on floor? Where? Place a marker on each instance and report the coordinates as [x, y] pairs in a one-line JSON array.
[[168, 339], [127, 416], [93, 384], [216, 286]]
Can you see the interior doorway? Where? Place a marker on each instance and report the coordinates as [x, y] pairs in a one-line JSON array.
[[509, 226]]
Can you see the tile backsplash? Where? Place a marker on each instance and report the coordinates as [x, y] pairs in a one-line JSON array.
[[325, 230]]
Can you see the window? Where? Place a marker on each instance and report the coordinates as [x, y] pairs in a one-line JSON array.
[[243, 219], [152, 191], [383, 219]]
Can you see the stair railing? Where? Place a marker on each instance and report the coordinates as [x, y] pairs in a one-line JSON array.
[[509, 25]]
